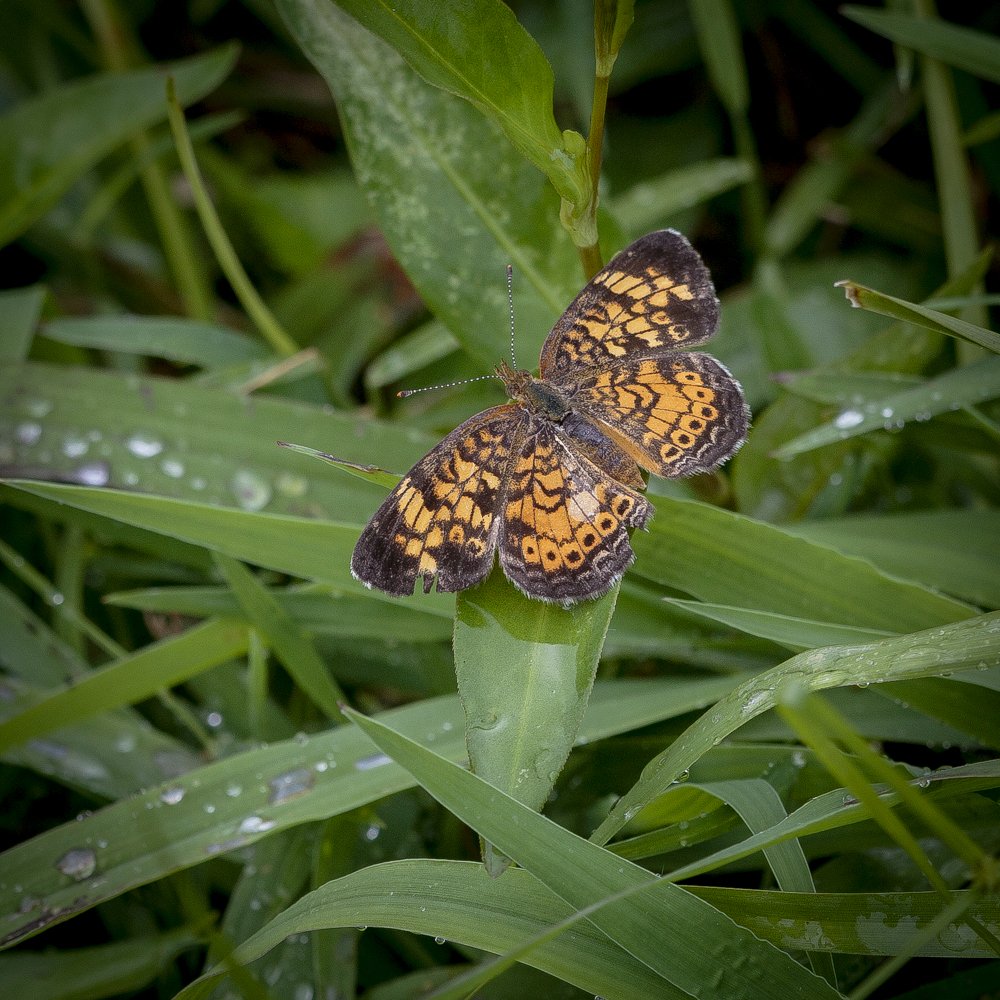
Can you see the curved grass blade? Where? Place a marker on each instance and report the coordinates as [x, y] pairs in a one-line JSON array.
[[862, 297], [696, 944], [965, 645], [197, 816]]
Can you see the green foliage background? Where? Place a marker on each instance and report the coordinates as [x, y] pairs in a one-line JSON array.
[[192, 804]]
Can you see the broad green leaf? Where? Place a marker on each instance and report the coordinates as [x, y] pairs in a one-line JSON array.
[[965, 645], [130, 679], [726, 558], [48, 141], [721, 47], [956, 551], [964, 48], [525, 670], [962, 702], [958, 388], [456, 202], [20, 309], [315, 550], [888, 305], [184, 340], [690, 939], [480, 52], [177, 438], [168, 827]]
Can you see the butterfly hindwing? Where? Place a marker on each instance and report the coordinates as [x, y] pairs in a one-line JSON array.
[[675, 415], [565, 527]]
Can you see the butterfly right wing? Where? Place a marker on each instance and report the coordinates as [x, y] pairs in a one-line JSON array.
[[441, 521], [654, 296]]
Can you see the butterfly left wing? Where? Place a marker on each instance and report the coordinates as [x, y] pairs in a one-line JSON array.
[[654, 296], [565, 527], [441, 519]]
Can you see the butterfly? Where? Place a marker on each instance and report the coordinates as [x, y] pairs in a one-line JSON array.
[[551, 480]]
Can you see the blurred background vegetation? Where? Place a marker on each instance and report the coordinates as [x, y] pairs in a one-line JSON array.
[[358, 247]]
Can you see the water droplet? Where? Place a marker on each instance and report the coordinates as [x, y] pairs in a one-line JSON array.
[[256, 824], [143, 446], [234, 791], [373, 831], [171, 796], [93, 474], [439, 940], [172, 467], [39, 408], [28, 432], [372, 761], [78, 864], [198, 483], [849, 418], [290, 785], [213, 719], [74, 447], [252, 492], [55, 599]]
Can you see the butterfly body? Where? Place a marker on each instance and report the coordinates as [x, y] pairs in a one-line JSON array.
[[551, 480]]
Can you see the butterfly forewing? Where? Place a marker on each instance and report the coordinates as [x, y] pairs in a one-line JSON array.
[[655, 296]]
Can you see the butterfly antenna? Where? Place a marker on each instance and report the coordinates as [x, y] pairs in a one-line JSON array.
[[403, 393], [510, 305]]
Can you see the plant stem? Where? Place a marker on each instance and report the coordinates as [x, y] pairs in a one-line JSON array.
[[178, 247], [251, 301]]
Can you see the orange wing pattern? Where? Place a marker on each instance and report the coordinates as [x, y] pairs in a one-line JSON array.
[[675, 415], [565, 522], [655, 296], [441, 519]]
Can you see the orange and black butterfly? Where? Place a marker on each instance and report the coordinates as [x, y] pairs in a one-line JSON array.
[[551, 479]]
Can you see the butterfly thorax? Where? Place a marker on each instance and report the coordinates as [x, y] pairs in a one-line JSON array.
[[540, 397]]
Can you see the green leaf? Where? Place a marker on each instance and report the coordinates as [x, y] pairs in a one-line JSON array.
[[293, 647], [956, 551], [269, 789], [726, 558], [651, 203], [868, 298], [964, 48], [478, 51], [326, 611], [481, 206], [966, 645], [124, 967], [48, 141], [494, 915], [183, 439], [20, 309], [184, 340], [687, 952], [130, 679], [791, 632], [959, 388], [525, 670]]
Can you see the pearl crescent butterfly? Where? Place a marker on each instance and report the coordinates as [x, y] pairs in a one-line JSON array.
[[551, 480]]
